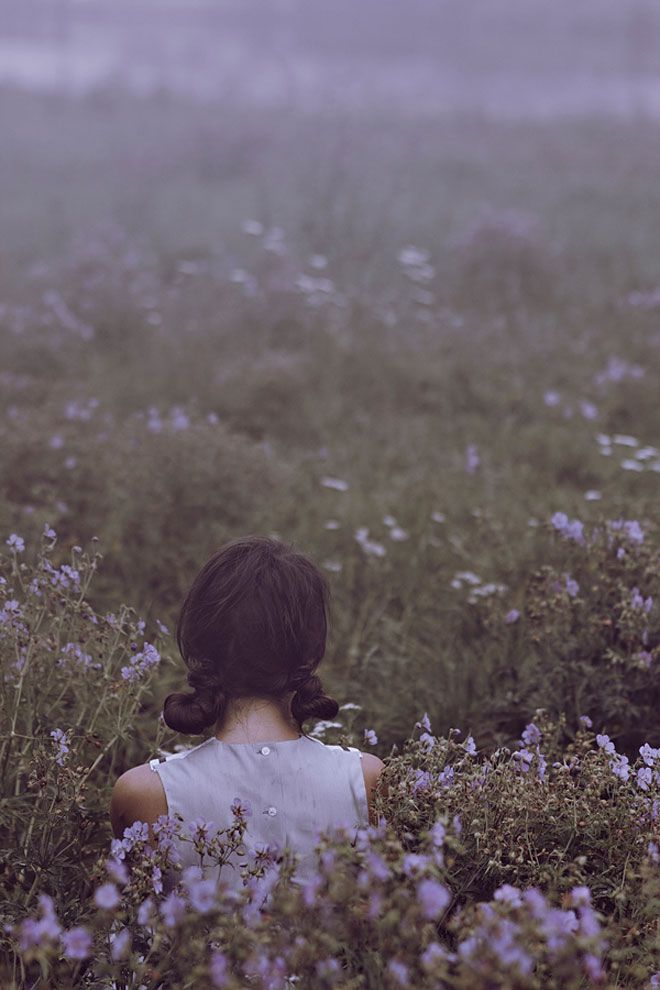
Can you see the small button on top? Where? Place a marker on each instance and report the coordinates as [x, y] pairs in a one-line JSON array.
[[265, 750], [272, 810]]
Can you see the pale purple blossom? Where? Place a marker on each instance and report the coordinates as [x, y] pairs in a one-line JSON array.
[[531, 735], [644, 778], [370, 737], [470, 746], [219, 969], [472, 458], [586, 721], [203, 895], [432, 954], [61, 741], [438, 833], [604, 742], [630, 527], [35, 932], [145, 912], [433, 898], [512, 616], [120, 944], [16, 543], [172, 910], [117, 870], [107, 897], [446, 776], [620, 767], [425, 723], [523, 759], [427, 739], [414, 863], [399, 971], [649, 754], [508, 895], [76, 943], [140, 663], [240, 807]]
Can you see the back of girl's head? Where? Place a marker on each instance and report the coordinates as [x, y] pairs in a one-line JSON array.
[[254, 623]]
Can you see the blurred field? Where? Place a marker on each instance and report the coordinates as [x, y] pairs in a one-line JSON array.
[[441, 311]]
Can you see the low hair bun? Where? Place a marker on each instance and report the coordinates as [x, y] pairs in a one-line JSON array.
[[193, 713], [310, 701]]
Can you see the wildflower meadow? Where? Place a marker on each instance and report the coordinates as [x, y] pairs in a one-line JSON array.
[[424, 348]]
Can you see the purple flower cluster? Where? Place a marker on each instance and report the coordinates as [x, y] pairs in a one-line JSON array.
[[61, 741], [640, 603], [76, 656], [140, 663], [62, 577], [16, 543], [570, 530], [629, 527]]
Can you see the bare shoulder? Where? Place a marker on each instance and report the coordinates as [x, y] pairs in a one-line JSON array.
[[138, 795], [372, 767]]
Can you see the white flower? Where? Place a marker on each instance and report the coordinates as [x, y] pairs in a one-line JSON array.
[[624, 440], [253, 227], [398, 534], [336, 483]]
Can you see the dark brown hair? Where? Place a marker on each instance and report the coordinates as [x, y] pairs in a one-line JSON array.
[[254, 622]]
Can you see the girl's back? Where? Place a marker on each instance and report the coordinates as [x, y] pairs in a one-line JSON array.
[[293, 790]]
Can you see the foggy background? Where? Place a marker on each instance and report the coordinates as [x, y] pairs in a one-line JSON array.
[[381, 278], [503, 57]]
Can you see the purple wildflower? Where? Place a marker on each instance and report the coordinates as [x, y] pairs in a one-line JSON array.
[[586, 721], [523, 759], [649, 754], [414, 863], [34, 932], [117, 870], [508, 895], [61, 741], [604, 742], [120, 944], [76, 943], [16, 543], [424, 724], [399, 971], [241, 808], [512, 616], [427, 739], [472, 458], [644, 778], [218, 969], [470, 746], [446, 776], [531, 735], [107, 897], [172, 910], [370, 737], [433, 898]]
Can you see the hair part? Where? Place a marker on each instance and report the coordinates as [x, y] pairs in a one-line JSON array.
[[253, 623]]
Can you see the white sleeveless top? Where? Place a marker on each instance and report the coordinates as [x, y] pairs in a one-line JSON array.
[[296, 789]]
